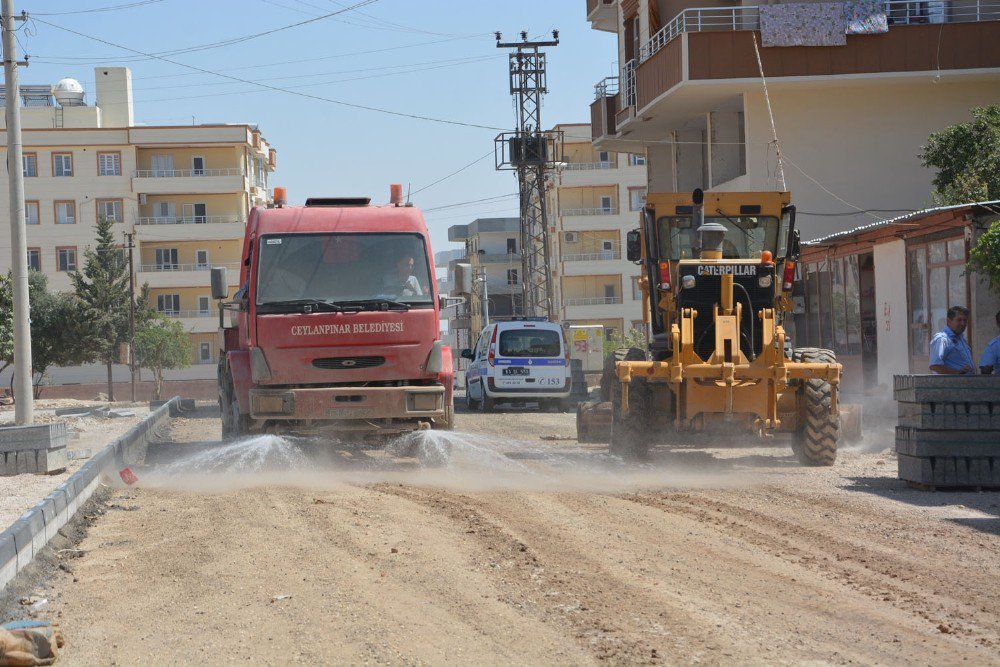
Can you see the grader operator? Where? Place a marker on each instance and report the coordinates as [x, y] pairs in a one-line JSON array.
[[717, 271]]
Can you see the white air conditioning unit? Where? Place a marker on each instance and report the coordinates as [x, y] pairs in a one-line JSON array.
[[570, 237], [142, 199]]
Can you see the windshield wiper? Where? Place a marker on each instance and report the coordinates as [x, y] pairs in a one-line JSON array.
[[374, 304], [300, 305]]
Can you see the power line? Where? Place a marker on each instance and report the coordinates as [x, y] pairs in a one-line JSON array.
[[112, 8], [470, 202], [352, 105], [227, 42], [457, 171]]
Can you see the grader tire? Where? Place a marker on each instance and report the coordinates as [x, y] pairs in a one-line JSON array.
[[630, 435], [815, 443], [608, 376]]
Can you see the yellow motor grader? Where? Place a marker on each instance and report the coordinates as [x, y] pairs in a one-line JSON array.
[[717, 271]]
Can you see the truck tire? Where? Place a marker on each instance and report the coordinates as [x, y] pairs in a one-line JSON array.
[[815, 441], [487, 404], [630, 434], [470, 403], [608, 376], [449, 419], [239, 421]]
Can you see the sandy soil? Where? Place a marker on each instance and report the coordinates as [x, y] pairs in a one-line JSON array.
[[527, 550], [19, 493]]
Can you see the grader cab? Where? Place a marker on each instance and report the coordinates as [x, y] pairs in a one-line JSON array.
[[717, 271]]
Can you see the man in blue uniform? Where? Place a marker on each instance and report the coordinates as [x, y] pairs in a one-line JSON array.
[[989, 363], [950, 354]]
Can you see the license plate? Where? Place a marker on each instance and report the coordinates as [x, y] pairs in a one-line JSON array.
[[516, 370]]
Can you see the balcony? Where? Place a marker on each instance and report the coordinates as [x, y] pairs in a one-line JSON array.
[[188, 220], [499, 258], [589, 166], [713, 47], [187, 228], [602, 256], [184, 275], [600, 210], [604, 107], [593, 301], [189, 313], [603, 14], [187, 181]]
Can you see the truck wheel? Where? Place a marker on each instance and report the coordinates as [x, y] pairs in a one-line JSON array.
[[470, 403], [630, 434], [815, 441], [608, 377], [240, 422], [449, 418]]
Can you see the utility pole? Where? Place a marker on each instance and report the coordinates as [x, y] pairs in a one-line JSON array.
[[24, 399], [131, 310], [529, 151]]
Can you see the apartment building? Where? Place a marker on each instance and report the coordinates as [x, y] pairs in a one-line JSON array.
[[492, 248], [594, 198], [853, 99], [184, 192]]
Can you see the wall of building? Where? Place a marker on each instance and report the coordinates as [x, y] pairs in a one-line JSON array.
[[891, 311], [226, 157], [227, 204], [219, 252], [590, 287]]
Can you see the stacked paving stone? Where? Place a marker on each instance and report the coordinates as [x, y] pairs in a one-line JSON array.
[[33, 449], [948, 431]]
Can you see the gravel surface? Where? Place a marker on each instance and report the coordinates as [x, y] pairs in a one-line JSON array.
[[18, 493], [511, 543]]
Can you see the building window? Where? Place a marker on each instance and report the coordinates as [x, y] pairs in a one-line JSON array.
[[34, 259], [636, 291], [31, 213], [65, 213], [604, 156], [610, 294], [205, 353], [194, 213], [201, 259], [204, 305], [606, 204], [198, 166], [66, 259], [636, 160], [29, 164], [166, 259], [168, 304], [636, 198], [109, 164], [511, 276], [62, 164], [110, 209], [511, 246], [937, 280], [163, 211]]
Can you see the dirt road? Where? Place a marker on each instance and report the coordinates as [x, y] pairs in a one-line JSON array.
[[532, 551]]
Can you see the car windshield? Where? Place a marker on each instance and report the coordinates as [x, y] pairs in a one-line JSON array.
[[340, 268], [530, 343], [746, 236]]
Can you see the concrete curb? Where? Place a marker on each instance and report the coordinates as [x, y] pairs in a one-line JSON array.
[[27, 536]]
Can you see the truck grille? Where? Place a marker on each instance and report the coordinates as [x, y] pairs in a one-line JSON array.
[[348, 363]]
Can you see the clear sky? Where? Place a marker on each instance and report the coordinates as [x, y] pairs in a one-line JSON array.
[[436, 59]]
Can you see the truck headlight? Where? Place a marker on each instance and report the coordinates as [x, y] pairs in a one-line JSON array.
[[765, 280], [688, 282]]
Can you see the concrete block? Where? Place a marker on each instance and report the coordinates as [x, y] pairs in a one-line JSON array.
[[944, 415], [8, 558], [940, 442], [947, 388], [25, 461], [23, 542], [48, 461], [915, 469], [36, 521], [36, 436], [61, 507], [48, 509]]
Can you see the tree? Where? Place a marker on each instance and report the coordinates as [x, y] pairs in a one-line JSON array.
[[58, 329], [103, 290], [162, 344], [984, 255], [967, 157]]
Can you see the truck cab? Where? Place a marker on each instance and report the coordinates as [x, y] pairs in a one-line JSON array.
[[335, 326]]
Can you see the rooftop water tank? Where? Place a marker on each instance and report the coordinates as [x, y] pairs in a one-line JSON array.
[[68, 92]]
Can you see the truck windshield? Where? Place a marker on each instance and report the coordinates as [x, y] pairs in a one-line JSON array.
[[746, 236], [336, 268]]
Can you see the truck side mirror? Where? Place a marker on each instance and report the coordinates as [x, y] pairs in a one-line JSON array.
[[467, 353], [793, 247], [220, 286], [633, 246]]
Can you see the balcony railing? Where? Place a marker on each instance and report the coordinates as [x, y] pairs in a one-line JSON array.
[[499, 258], [593, 301], [190, 313], [628, 83], [606, 87], [162, 267], [186, 219], [601, 256], [898, 12], [585, 166], [602, 210], [186, 173]]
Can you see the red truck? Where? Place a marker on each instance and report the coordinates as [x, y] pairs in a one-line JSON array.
[[335, 327]]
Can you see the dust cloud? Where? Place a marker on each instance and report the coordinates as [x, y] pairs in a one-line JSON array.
[[451, 460]]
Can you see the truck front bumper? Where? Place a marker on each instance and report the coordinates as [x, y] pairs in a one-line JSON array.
[[374, 405]]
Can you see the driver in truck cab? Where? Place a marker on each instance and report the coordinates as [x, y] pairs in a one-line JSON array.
[[401, 281]]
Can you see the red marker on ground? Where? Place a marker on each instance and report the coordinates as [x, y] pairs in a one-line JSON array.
[[128, 476]]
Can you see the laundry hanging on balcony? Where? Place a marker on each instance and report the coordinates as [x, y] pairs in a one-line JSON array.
[[803, 24], [865, 17]]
